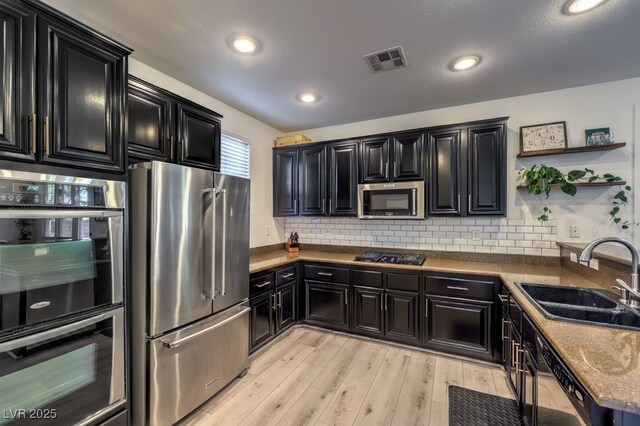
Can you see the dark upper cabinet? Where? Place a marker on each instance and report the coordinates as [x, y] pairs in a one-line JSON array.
[[487, 171], [285, 182], [312, 180], [446, 167], [150, 135], [343, 179], [82, 93], [18, 120], [408, 163], [375, 160], [198, 137], [368, 310]]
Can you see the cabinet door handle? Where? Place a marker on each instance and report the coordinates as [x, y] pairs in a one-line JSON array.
[[426, 307], [469, 201], [457, 287], [386, 302], [330, 204], [289, 275], [459, 202], [323, 202], [387, 170], [325, 274], [346, 296], [382, 303], [280, 299], [263, 284], [503, 298], [34, 129], [395, 168], [519, 363], [503, 324], [182, 149], [512, 355], [46, 135], [273, 304]]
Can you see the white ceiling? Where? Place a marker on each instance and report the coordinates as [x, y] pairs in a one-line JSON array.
[[527, 46]]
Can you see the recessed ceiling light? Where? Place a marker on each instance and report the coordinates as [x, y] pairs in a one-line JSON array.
[[308, 97], [244, 44], [574, 7], [465, 63]]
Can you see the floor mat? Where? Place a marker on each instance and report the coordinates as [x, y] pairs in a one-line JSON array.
[[469, 407]]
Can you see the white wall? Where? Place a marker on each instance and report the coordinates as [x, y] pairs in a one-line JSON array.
[[258, 134], [612, 105]]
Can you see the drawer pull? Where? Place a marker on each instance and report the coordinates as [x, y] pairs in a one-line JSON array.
[[457, 287], [289, 275], [325, 274], [263, 284]]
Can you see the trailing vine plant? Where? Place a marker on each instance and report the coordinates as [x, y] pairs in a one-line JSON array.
[[538, 180]]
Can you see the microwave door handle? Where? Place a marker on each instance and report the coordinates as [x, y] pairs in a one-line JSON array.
[[56, 332], [414, 192]]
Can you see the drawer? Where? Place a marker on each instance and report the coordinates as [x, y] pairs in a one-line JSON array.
[[367, 278], [286, 275], [403, 281], [327, 273], [261, 283], [465, 287]]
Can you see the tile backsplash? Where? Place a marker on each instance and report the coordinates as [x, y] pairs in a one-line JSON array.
[[502, 236]]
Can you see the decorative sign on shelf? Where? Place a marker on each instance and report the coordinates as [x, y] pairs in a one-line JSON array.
[[602, 136], [543, 137]]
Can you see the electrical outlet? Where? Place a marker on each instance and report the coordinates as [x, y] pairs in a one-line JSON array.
[[574, 257], [268, 230], [475, 235], [574, 231], [594, 264]]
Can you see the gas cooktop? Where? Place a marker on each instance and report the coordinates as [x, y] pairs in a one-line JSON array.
[[397, 258]]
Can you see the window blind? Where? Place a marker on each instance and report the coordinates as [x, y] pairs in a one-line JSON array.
[[234, 156]]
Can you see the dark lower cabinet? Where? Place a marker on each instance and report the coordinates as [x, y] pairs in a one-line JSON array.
[[18, 121], [82, 92], [150, 134], [198, 134], [286, 304], [402, 316], [368, 311], [460, 326], [262, 327], [327, 304]]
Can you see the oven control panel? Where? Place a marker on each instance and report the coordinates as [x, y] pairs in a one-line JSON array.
[[47, 194]]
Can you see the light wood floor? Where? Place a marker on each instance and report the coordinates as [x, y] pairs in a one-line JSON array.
[[312, 377]]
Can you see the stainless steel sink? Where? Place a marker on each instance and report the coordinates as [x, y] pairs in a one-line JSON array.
[[583, 305]]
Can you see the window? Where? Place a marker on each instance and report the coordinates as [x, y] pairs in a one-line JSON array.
[[234, 156]]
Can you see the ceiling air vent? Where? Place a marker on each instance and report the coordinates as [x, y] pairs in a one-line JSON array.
[[386, 60]]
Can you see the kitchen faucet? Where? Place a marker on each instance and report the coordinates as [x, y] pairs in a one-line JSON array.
[[629, 294]]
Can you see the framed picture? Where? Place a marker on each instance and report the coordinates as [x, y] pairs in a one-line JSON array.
[[543, 137], [601, 136]]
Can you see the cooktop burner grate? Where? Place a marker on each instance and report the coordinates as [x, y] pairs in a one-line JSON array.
[[394, 258]]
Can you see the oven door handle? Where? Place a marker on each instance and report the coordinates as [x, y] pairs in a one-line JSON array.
[[56, 214], [56, 332]]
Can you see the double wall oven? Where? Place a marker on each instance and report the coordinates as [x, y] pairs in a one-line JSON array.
[[61, 287]]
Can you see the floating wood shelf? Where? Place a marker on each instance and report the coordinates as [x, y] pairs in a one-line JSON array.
[[572, 150], [557, 185]]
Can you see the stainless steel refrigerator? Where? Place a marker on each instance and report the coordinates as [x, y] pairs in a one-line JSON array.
[[189, 288]]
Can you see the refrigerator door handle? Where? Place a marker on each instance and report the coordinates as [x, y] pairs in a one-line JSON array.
[[223, 192], [210, 291], [175, 343]]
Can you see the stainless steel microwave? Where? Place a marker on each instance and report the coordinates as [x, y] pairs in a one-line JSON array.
[[397, 200]]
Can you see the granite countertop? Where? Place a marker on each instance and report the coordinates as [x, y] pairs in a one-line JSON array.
[[605, 360]]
